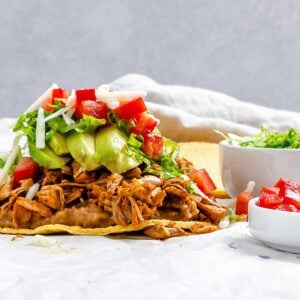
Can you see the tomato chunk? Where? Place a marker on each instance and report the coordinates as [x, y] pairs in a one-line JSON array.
[[85, 94], [95, 109], [269, 200], [287, 207], [289, 191], [153, 146], [270, 190], [130, 109], [26, 168], [58, 93], [47, 104], [203, 181], [144, 123], [242, 201]]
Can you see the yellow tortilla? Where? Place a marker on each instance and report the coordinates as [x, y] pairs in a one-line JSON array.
[[201, 154], [205, 155], [201, 227]]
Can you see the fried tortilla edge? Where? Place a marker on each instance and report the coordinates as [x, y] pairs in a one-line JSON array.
[[202, 227]]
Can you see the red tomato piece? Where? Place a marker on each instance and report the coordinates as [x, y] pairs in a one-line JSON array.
[[85, 94], [144, 123], [290, 191], [203, 181], [242, 201], [153, 146], [130, 109], [270, 190], [26, 168], [58, 93], [95, 109], [47, 104], [287, 207], [269, 200]]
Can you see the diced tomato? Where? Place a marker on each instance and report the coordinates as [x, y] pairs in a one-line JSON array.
[[47, 104], [95, 109], [242, 201], [58, 93], [203, 181], [290, 191], [287, 207], [269, 200], [144, 123], [26, 168], [153, 146], [85, 94], [270, 190], [130, 109]]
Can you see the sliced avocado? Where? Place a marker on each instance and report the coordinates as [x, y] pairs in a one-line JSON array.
[[82, 148], [46, 157], [111, 150], [58, 144]]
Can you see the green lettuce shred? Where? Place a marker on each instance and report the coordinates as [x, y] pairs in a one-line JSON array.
[[268, 138], [2, 163], [27, 124]]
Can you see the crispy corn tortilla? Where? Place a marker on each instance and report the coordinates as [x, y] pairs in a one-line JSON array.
[[201, 154], [194, 226], [205, 155]]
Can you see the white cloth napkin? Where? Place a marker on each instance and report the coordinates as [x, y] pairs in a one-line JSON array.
[[188, 113]]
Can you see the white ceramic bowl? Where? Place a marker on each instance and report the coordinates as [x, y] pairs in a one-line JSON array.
[[275, 228], [239, 165]]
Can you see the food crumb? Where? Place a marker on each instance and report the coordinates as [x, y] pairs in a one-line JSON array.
[[264, 256], [43, 241], [16, 237], [232, 245]]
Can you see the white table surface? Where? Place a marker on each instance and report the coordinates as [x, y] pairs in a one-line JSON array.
[[227, 264]]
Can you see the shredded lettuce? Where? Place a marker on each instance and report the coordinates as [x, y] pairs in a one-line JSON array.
[[2, 163], [86, 124], [233, 217], [165, 167], [27, 124], [18, 158], [268, 138], [122, 125]]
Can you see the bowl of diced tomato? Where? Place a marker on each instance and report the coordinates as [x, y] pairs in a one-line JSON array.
[[274, 216]]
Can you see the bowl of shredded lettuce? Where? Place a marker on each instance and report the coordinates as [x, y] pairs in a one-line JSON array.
[[263, 158], [268, 138]]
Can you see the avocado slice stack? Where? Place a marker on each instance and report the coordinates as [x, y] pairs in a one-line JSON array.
[[105, 148]]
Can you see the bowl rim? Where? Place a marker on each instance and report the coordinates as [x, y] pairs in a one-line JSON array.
[[253, 202], [225, 143]]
